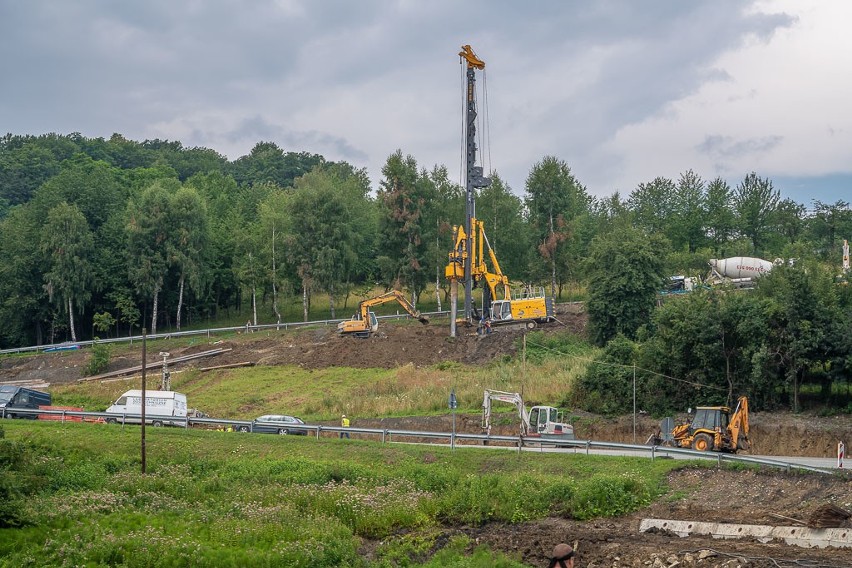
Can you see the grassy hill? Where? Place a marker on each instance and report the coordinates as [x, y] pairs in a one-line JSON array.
[[544, 373]]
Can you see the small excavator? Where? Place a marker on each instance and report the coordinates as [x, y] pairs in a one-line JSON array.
[[364, 323], [539, 423], [712, 429]]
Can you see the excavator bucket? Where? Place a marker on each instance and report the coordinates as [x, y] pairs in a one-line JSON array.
[[423, 319]]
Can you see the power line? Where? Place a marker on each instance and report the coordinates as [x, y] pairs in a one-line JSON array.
[[630, 367]]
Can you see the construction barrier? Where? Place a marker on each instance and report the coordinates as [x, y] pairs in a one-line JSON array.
[[841, 451], [61, 416]]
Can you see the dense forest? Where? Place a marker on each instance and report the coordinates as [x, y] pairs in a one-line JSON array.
[[100, 236]]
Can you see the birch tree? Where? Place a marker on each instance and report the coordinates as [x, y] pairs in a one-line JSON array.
[[147, 241], [68, 245]]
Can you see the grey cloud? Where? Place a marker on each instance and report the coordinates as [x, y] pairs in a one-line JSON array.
[[727, 147]]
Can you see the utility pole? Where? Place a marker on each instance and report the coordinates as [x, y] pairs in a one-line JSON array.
[[166, 383], [144, 356]]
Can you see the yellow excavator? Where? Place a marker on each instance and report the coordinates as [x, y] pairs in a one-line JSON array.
[[364, 323], [712, 429]]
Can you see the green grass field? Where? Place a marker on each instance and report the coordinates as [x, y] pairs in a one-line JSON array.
[[73, 495]]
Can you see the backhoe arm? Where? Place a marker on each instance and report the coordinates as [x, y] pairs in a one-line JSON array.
[[739, 423]]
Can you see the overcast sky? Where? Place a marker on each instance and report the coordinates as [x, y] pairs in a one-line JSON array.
[[622, 90]]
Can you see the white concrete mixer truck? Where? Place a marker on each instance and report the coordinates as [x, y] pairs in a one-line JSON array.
[[739, 271]]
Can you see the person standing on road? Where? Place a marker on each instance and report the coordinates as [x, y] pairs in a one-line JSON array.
[[344, 423], [562, 556]]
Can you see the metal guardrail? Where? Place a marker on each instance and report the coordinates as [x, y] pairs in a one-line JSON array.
[[389, 435], [65, 346]]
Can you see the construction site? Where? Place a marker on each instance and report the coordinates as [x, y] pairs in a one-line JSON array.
[[484, 327]]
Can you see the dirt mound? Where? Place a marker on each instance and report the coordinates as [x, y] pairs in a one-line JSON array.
[[394, 347], [708, 495]]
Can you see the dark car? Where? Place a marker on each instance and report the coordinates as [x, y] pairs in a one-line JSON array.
[[274, 424]]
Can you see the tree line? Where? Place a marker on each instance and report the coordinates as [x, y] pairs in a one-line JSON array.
[[98, 234]]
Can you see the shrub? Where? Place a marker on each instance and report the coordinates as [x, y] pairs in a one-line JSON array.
[[99, 361]]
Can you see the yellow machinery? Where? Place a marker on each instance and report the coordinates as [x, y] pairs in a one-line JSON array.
[[365, 322], [467, 259], [713, 428], [526, 306]]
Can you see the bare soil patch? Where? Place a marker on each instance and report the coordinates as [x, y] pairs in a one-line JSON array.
[[708, 495]]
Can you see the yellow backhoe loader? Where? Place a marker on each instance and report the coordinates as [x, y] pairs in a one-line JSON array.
[[365, 322], [713, 428]]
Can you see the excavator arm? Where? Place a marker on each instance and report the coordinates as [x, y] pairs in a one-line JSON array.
[[509, 398], [392, 296]]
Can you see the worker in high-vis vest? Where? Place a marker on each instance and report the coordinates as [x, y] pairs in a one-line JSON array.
[[344, 423]]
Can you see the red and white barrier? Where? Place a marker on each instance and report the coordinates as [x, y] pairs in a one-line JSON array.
[[841, 451]]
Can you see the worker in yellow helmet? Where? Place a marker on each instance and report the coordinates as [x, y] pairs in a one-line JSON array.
[[344, 423]]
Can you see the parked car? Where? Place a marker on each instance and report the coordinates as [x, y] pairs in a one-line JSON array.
[[274, 424]]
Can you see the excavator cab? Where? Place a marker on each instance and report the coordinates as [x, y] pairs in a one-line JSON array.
[[548, 420]]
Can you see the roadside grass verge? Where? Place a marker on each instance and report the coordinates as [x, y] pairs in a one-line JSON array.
[[225, 499]]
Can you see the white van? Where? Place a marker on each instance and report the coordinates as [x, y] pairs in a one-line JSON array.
[[161, 408]]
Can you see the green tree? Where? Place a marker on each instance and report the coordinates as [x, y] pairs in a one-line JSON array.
[[720, 218], [803, 322], [625, 272], [652, 205], [330, 218], [606, 386], [147, 241], [755, 203], [790, 220], [446, 210], [24, 309], [189, 234], [686, 228], [24, 166], [67, 243], [222, 196], [508, 233], [830, 222], [403, 197], [267, 163], [275, 225], [555, 199]]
